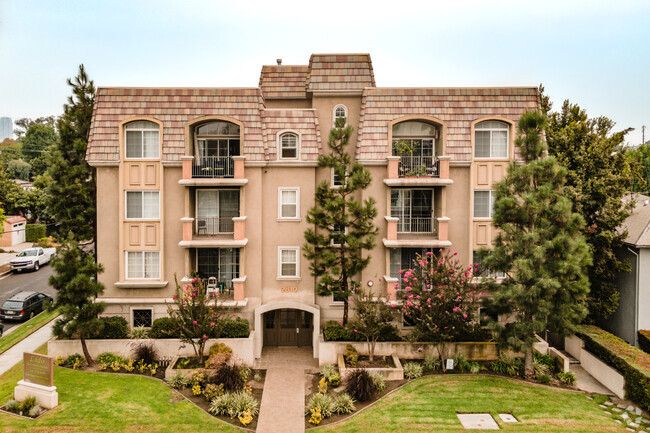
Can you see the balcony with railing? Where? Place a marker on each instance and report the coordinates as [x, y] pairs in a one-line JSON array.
[[212, 226], [418, 166], [213, 170], [213, 166], [426, 226]]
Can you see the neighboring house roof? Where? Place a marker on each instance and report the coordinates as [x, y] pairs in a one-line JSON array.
[[302, 121], [14, 219], [457, 107], [638, 223], [284, 82], [340, 72]]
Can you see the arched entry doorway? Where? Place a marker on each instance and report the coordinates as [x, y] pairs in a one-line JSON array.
[[260, 315], [288, 327]]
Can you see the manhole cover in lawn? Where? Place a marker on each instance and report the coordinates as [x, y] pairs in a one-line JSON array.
[[477, 421], [506, 417]]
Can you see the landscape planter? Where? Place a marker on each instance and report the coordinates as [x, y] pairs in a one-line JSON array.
[[170, 371], [395, 373]]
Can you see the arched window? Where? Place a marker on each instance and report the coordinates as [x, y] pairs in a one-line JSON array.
[[289, 146], [491, 139], [142, 139], [340, 111], [217, 139], [414, 138]]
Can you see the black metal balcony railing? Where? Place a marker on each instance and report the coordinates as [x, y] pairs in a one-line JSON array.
[[214, 226], [414, 165], [425, 225], [213, 166]]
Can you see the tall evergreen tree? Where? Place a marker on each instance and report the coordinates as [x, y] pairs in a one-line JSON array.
[[343, 225], [539, 246], [69, 180], [598, 176]]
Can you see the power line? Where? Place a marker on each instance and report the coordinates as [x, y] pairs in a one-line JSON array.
[[30, 228]]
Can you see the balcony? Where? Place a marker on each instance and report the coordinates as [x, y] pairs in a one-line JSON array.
[[417, 232], [427, 226], [214, 226], [418, 170], [213, 166], [217, 232], [228, 292], [418, 166], [213, 171]]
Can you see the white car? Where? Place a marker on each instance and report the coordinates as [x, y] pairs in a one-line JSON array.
[[32, 258]]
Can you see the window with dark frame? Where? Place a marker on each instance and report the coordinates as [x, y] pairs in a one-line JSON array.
[[289, 146], [142, 318]]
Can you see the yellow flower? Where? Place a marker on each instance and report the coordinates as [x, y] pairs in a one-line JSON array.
[[196, 390], [245, 418], [316, 416], [322, 386]]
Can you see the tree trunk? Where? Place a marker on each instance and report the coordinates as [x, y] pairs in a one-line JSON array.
[[443, 352], [89, 360], [528, 364], [371, 349]]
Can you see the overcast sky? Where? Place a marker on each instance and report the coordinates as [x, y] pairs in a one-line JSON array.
[[595, 53]]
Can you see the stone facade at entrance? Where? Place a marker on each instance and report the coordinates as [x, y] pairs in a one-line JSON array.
[[218, 181]]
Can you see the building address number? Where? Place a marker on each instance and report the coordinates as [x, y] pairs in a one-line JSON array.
[[289, 289]]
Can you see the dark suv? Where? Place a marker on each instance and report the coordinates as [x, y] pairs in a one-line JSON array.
[[24, 305]]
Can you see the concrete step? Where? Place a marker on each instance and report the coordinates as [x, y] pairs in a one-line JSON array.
[[572, 360]]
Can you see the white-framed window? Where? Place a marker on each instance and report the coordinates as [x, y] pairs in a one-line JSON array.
[[340, 111], [337, 180], [289, 203], [338, 231], [142, 204], [142, 139], [484, 204], [289, 145], [491, 139], [288, 262], [142, 265], [338, 298], [141, 317], [482, 271]]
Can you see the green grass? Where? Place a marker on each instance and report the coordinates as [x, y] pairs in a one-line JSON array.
[[26, 329], [105, 402], [431, 403]]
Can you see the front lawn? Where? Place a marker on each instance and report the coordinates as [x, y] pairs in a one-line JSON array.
[[431, 403], [26, 329], [106, 402]]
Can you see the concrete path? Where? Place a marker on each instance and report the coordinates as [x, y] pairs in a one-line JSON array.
[[14, 355], [283, 402], [586, 382]]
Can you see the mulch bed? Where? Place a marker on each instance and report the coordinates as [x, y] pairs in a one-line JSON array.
[[377, 362]]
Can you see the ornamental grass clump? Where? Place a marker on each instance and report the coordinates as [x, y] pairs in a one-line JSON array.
[[324, 401], [145, 352], [331, 374], [431, 363], [412, 370], [234, 404], [379, 381], [360, 385], [178, 381], [343, 404], [506, 364], [229, 376]]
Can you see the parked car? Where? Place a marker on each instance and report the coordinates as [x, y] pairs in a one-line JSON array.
[[24, 305], [2, 329], [32, 258]]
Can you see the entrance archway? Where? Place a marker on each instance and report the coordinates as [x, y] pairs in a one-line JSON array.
[[292, 311], [287, 328]]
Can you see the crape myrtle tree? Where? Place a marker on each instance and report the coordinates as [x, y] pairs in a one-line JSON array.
[[372, 314], [440, 297], [540, 246], [343, 225], [77, 291], [598, 175]]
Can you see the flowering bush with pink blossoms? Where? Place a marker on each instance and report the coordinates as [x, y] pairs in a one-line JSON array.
[[440, 297]]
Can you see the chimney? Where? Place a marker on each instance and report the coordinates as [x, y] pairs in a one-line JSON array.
[[279, 61]]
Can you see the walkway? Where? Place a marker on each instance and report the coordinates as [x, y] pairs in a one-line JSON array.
[[587, 383], [283, 401], [14, 355]]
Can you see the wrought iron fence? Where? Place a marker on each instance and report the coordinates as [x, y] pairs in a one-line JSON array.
[[414, 165], [428, 225], [214, 166], [215, 226]]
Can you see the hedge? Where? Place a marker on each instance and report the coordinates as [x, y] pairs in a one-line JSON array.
[[34, 232], [333, 331], [113, 327], [232, 328], [632, 363], [644, 340]]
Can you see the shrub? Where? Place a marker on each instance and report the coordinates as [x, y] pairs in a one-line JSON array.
[[59, 329], [546, 360], [139, 332], [219, 355], [163, 327], [75, 361], [644, 340], [178, 381], [431, 363], [333, 331], [45, 242], [324, 401], [35, 411], [322, 385], [540, 369], [316, 416], [567, 377], [212, 390], [113, 327], [506, 364], [412, 370], [234, 404], [235, 328], [11, 406], [461, 363], [107, 358], [331, 374], [197, 379], [34, 232], [544, 378], [474, 367], [26, 405], [632, 363], [244, 373], [379, 381], [351, 356], [229, 376], [360, 385], [145, 352], [343, 404]]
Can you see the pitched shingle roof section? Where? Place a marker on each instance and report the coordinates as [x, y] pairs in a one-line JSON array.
[[638, 223], [340, 72], [284, 82], [304, 121], [14, 219], [174, 107], [457, 107]]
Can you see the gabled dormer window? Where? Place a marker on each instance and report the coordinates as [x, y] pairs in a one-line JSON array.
[[289, 146], [340, 112], [142, 139]]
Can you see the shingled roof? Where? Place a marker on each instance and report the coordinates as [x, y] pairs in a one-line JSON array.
[[304, 121], [284, 82], [638, 223], [174, 107], [340, 72], [457, 107]]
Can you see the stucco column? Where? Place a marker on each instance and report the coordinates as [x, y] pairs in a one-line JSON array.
[[391, 291], [187, 166], [239, 285], [187, 228], [443, 228], [391, 228], [239, 167], [393, 167], [240, 228], [444, 166]]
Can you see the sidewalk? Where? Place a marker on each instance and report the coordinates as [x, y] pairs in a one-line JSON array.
[[14, 355], [6, 257]]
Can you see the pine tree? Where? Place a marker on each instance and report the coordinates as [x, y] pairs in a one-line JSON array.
[[540, 247], [77, 289], [69, 180], [344, 226], [598, 176]]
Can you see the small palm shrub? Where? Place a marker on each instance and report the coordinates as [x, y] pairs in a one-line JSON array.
[[343, 404], [379, 381], [145, 352], [432, 363], [461, 363], [540, 369], [178, 381], [331, 374], [138, 332], [545, 360], [324, 401], [506, 364], [360, 385], [229, 376], [412, 370], [567, 377], [234, 404], [474, 367]]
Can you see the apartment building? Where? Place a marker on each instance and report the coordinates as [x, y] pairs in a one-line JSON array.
[[218, 181]]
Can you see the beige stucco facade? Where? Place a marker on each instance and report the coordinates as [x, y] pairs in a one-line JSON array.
[[257, 175]]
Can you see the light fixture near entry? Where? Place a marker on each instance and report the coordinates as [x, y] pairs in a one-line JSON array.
[[370, 283]]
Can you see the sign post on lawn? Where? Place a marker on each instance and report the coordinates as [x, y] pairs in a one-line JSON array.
[[38, 380]]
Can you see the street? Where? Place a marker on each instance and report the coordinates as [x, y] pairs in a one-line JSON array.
[[29, 281]]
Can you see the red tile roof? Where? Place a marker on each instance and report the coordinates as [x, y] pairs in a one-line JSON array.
[[340, 72], [457, 107], [13, 219], [303, 121], [284, 82]]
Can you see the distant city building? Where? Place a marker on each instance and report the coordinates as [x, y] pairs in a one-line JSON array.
[[6, 128]]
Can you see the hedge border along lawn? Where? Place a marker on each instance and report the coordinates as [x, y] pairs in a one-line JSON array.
[[34, 232], [632, 363], [26, 329], [644, 340]]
